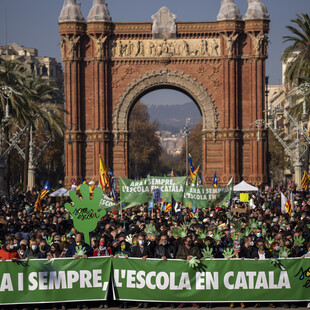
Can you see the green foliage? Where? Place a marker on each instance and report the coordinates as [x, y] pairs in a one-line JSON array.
[[80, 251], [228, 253], [49, 240], [85, 212], [144, 144], [299, 241], [229, 216], [297, 55], [194, 262], [207, 253]]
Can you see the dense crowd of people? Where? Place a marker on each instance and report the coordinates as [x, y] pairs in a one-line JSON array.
[[261, 231]]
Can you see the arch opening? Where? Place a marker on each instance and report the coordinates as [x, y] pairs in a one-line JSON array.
[[163, 80]]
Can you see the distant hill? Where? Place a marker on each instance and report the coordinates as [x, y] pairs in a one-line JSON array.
[[172, 117]]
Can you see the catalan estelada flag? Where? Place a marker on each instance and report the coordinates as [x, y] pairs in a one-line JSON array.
[[305, 180], [45, 190], [191, 163], [195, 173], [168, 207], [288, 205], [103, 175], [214, 183], [172, 173]]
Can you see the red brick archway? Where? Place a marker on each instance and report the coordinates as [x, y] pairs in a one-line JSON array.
[[221, 65]]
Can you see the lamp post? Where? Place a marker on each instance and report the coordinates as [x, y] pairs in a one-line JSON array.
[[6, 92], [186, 128], [267, 133], [305, 91]]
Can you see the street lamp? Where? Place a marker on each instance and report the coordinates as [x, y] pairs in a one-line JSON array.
[[6, 92], [186, 128]]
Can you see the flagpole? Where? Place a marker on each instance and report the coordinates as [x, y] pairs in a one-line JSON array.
[[186, 146]]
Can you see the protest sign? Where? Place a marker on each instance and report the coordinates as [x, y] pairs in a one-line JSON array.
[[217, 280], [43, 281], [212, 280]]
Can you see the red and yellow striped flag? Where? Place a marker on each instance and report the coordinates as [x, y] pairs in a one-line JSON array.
[[103, 175], [305, 180], [45, 190]]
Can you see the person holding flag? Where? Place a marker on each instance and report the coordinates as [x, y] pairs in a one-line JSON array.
[[44, 192]]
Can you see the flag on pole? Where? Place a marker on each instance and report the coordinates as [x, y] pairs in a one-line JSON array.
[[283, 202], [289, 185], [305, 180], [214, 183], [168, 207], [103, 175], [191, 163], [195, 173], [288, 205], [45, 190]]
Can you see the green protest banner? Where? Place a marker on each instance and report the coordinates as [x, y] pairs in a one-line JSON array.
[[107, 204], [205, 197], [171, 188], [136, 192], [43, 281], [217, 280], [212, 280]]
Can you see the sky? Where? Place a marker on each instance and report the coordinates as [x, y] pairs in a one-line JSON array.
[[34, 23]]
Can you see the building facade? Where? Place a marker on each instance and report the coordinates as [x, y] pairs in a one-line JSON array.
[[219, 64]]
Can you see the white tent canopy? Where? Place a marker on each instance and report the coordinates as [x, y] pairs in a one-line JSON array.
[[61, 192], [245, 187]]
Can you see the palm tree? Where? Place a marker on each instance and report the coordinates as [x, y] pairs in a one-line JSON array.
[[39, 93], [12, 74], [297, 57], [32, 98]]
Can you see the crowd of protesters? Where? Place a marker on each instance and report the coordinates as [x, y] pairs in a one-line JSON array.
[[27, 234]]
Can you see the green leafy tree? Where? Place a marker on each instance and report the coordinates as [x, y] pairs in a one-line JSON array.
[[144, 143], [297, 58]]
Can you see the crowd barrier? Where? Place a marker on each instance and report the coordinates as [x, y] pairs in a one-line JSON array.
[[217, 280]]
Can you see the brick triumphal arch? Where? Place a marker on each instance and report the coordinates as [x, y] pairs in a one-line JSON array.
[[220, 65]]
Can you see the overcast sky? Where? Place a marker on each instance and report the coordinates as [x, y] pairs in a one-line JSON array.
[[34, 23]]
